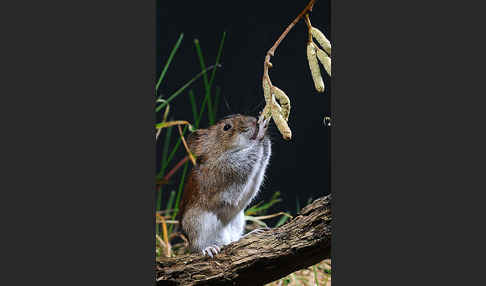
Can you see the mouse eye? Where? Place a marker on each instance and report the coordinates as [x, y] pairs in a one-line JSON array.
[[227, 127]]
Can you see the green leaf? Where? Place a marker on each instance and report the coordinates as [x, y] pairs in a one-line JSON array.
[[171, 201], [174, 150], [171, 56], [179, 194], [193, 104], [281, 221], [207, 87], [158, 207], [165, 148], [252, 209], [220, 51], [180, 90], [275, 199]]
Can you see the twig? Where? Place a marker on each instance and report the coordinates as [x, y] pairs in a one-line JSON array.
[[309, 27], [271, 51], [272, 108]]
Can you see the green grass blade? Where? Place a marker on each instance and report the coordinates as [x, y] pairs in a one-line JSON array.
[[168, 206], [165, 148], [213, 112], [261, 206], [196, 125], [171, 155], [220, 51], [207, 87], [201, 62], [180, 90], [193, 104], [282, 220], [179, 191], [178, 143], [179, 194], [203, 107], [171, 56], [252, 209], [275, 199], [158, 208]]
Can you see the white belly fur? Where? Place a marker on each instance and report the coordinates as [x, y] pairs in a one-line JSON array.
[[226, 225]]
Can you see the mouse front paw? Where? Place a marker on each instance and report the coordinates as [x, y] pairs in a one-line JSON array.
[[211, 250]]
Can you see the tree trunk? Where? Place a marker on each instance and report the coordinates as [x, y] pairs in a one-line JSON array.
[[258, 258]]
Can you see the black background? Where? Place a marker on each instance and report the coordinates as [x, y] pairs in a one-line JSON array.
[[300, 168]]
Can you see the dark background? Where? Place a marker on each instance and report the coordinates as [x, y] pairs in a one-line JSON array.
[[300, 168]]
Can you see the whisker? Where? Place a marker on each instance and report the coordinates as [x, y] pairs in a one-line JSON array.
[[227, 105]]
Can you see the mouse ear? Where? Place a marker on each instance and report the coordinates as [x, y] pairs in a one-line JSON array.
[[195, 141]]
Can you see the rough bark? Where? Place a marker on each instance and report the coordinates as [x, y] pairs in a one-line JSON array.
[[258, 258]]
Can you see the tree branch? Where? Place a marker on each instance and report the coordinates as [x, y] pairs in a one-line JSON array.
[[271, 105], [258, 258]]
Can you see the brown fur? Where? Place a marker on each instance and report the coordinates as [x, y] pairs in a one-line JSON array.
[[232, 156], [208, 145]]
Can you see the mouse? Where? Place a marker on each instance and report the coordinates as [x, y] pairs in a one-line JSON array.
[[232, 157]]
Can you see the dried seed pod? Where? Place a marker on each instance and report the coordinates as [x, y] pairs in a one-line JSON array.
[[284, 101], [268, 95], [314, 67], [323, 41], [266, 90], [266, 113], [280, 122], [325, 60], [275, 107], [282, 126]]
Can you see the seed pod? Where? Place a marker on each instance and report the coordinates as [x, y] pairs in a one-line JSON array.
[[325, 60], [266, 90], [284, 101], [280, 122], [314, 67], [283, 127], [323, 41], [266, 113], [267, 94]]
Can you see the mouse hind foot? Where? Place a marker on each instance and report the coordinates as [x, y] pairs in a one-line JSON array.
[[211, 250]]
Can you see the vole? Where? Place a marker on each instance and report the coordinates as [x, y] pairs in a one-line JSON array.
[[232, 156]]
